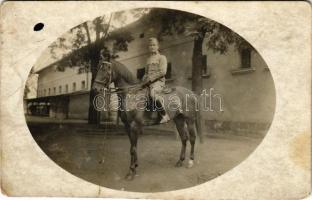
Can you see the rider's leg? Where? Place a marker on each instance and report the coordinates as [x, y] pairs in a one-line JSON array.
[[155, 89], [163, 113]]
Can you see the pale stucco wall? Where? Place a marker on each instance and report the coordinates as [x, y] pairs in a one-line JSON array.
[[50, 78], [245, 97]]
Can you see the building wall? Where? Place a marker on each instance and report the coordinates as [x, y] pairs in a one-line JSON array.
[[78, 106], [246, 97], [52, 78], [59, 107]]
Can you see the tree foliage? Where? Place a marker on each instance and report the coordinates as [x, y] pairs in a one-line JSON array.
[[83, 43], [218, 36], [205, 33]]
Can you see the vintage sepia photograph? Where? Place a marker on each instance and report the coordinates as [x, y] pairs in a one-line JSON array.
[[149, 100]]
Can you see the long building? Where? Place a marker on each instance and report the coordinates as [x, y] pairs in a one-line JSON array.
[[242, 80]]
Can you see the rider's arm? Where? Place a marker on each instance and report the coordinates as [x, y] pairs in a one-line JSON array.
[[162, 68]]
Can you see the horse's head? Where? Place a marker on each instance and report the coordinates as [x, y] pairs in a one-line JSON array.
[[103, 77]]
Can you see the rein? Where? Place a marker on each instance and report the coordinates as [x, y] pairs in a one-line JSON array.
[[118, 90], [136, 87]]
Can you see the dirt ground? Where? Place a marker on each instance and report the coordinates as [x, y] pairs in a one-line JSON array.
[[103, 158]]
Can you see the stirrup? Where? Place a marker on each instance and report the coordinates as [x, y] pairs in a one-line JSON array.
[[164, 119]]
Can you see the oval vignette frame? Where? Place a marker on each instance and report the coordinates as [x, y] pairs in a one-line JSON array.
[[233, 74]]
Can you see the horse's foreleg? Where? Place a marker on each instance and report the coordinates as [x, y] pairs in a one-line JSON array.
[[180, 124], [192, 132], [133, 136]]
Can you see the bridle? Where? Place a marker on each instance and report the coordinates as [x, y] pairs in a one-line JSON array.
[[126, 89], [120, 90], [116, 90]]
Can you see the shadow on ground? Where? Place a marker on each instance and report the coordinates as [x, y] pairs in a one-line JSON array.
[[101, 156]]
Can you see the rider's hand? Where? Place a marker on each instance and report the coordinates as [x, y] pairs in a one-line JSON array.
[[146, 82]]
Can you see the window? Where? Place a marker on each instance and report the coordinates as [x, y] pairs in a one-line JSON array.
[[83, 84], [54, 90], [245, 58], [168, 74], [74, 87], [44, 92], [140, 73], [66, 88], [245, 63], [141, 35], [60, 89], [49, 91]]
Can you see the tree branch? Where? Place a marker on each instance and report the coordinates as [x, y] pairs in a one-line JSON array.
[[85, 25]]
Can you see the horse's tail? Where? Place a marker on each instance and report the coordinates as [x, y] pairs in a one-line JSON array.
[[198, 121]]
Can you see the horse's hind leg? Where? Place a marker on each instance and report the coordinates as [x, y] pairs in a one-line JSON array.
[[192, 132], [180, 124]]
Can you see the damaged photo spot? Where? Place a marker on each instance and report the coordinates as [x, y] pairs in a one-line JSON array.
[[149, 100]]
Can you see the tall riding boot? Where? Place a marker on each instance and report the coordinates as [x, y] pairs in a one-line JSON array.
[[161, 110]]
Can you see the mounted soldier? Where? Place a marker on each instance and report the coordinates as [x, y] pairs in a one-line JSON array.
[[186, 118], [154, 78]]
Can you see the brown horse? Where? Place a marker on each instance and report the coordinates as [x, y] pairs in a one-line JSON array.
[[182, 108]]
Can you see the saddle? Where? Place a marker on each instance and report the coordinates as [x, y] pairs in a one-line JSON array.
[[168, 90], [153, 117], [152, 105]]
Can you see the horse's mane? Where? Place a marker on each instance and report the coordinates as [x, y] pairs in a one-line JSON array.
[[124, 72]]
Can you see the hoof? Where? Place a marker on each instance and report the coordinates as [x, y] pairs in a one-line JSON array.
[[190, 164], [130, 176], [179, 163]]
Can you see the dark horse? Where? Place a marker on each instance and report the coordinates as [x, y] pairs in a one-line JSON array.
[[185, 114]]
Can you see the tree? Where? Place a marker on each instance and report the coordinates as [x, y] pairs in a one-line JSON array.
[[218, 37], [30, 86], [83, 44]]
